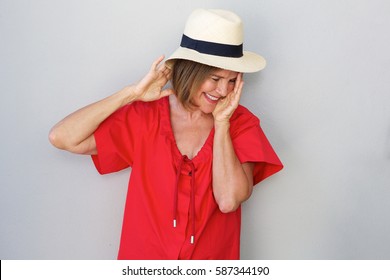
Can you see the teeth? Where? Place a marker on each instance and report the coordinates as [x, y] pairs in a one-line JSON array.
[[212, 97]]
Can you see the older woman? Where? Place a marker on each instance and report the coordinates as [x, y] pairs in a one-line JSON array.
[[195, 153]]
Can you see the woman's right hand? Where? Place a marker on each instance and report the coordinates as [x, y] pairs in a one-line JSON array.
[[150, 87]]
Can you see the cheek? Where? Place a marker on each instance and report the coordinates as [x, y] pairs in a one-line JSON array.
[[208, 86]]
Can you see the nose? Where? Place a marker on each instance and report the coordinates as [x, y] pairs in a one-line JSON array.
[[222, 88]]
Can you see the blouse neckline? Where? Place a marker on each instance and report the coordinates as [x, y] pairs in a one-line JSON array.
[[206, 150]]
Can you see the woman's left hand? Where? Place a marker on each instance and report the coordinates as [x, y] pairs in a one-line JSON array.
[[226, 106]]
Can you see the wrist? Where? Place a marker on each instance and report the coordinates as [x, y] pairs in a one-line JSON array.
[[127, 95], [222, 125]]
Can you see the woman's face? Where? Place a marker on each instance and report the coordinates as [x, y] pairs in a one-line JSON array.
[[218, 85]]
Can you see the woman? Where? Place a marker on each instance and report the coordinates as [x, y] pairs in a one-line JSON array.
[[195, 153]]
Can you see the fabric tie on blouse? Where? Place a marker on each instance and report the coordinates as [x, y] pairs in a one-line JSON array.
[[192, 197]]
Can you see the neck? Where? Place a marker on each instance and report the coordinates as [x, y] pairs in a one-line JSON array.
[[190, 115]]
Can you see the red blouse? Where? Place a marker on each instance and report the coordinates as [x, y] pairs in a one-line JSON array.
[[170, 210]]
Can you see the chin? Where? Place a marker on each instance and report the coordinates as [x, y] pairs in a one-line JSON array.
[[207, 110]]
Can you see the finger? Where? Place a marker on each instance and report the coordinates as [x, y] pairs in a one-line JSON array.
[[239, 84], [166, 71], [238, 81], [239, 87], [167, 92], [236, 95], [238, 92], [157, 62]]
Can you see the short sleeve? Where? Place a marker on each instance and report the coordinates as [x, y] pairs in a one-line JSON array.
[[251, 145], [116, 140]]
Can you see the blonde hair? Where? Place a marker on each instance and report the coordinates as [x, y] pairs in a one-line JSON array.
[[187, 77]]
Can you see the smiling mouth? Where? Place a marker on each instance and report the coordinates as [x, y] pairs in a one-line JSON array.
[[212, 98]]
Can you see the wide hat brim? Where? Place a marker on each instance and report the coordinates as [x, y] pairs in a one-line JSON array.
[[248, 63]]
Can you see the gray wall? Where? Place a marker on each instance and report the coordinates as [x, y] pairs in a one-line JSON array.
[[324, 102]]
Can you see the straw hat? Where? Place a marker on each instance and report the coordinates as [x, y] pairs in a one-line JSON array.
[[215, 38]]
